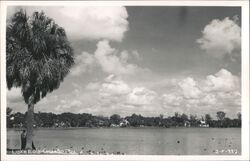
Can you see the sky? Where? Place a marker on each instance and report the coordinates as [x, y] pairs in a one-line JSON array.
[[146, 60]]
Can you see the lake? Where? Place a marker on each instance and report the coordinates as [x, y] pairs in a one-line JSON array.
[[138, 141]]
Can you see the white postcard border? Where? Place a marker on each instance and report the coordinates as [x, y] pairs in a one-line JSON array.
[[245, 80]]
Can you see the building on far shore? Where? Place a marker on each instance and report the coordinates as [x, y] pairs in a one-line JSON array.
[[187, 124], [203, 123], [124, 123]]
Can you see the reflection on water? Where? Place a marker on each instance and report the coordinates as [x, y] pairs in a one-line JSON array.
[[138, 141]]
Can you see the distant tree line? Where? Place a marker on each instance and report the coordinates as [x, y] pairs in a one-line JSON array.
[[42, 119]]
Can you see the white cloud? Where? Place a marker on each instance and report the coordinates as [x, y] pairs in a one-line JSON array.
[[76, 85], [15, 100], [232, 98], [87, 22], [116, 95], [172, 100], [108, 58], [141, 96], [14, 94], [83, 63], [221, 37], [113, 95], [222, 81], [189, 88], [220, 91], [124, 56], [136, 54], [75, 103], [93, 86], [110, 78], [110, 62], [79, 101], [62, 101], [114, 87], [208, 99]]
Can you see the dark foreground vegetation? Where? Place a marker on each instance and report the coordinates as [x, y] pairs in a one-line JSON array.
[[18, 120]]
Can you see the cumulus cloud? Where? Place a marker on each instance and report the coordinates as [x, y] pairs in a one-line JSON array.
[[141, 96], [222, 81], [136, 54], [86, 22], [113, 88], [208, 99], [117, 95], [14, 95], [174, 100], [112, 95], [72, 106], [75, 103], [83, 63], [110, 62], [221, 37], [189, 88], [79, 101], [220, 91], [93, 86], [109, 59]]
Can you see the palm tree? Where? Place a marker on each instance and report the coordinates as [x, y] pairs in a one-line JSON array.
[[38, 57]]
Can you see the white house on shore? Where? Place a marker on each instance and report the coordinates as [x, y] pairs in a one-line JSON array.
[[124, 123], [187, 124], [203, 123]]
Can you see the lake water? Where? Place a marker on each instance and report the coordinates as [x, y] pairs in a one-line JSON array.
[[138, 141]]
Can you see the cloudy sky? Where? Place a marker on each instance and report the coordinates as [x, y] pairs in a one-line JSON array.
[[146, 60]]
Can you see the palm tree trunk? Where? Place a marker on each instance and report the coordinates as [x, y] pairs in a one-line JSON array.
[[30, 121]]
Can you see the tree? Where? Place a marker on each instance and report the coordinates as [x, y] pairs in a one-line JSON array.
[[239, 115], [239, 119], [208, 119], [176, 119], [38, 57], [161, 119], [227, 122], [220, 116], [176, 115], [161, 116], [193, 120], [184, 117], [115, 118]]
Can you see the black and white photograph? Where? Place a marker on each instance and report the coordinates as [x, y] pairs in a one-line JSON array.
[[84, 80]]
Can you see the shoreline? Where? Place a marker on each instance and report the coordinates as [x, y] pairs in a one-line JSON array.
[[145, 127], [57, 151]]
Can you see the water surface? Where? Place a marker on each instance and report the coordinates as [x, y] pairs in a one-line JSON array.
[[138, 141]]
